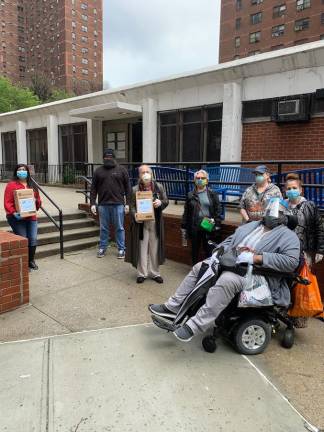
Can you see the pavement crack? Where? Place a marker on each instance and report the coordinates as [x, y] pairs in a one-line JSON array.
[[83, 420], [52, 318]]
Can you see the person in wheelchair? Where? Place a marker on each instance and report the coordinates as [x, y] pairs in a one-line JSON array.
[[269, 245]]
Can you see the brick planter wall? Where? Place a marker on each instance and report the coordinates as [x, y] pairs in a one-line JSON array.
[[270, 141], [14, 276]]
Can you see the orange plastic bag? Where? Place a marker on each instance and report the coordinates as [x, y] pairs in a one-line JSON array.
[[306, 298]]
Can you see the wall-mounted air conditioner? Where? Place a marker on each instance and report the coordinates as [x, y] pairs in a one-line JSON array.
[[292, 109]]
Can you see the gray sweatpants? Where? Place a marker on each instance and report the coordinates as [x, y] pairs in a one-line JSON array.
[[218, 297]]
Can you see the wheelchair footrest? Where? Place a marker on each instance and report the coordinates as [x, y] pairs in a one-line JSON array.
[[163, 323]]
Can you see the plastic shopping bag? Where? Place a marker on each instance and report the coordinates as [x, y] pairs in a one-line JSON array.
[[256, 291], [306, 299]]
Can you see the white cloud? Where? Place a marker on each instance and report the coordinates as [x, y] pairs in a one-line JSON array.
[[149, 39]]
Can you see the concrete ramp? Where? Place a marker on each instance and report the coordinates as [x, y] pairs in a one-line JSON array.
[[135, 379]]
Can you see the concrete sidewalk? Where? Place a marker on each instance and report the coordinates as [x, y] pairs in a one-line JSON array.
[[134, 379], [84, 293]]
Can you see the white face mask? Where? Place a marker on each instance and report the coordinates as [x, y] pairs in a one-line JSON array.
[[146, 177]]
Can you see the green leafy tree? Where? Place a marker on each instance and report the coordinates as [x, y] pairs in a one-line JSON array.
[[59, 94], [15, 97]]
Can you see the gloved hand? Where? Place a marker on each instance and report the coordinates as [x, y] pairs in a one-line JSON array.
[[318, 258], [126, 209], [157, 203], [245, 257], [17, 216], [94, 209]]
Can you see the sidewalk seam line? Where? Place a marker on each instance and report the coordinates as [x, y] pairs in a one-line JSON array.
[[311, 427], [50, 317]]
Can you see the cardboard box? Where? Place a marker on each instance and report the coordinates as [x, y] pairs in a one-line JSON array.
[[144, 206], [25, 202]]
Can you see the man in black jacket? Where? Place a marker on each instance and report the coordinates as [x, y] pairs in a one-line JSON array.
[[111, 183]]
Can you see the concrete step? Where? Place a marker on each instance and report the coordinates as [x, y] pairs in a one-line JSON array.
[[49, 227], [70, 246], [44, 219], [73, 234]]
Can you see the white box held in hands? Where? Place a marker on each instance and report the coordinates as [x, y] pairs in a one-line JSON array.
[[25, 202], [144, 206]]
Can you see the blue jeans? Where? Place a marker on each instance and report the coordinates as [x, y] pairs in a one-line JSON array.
[[112, 214], [24, 228]]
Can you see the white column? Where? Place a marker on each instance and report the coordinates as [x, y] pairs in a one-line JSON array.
[[231, 146], [21, 142], [95, 148], [149, 130], [53, 148], [1, 161]]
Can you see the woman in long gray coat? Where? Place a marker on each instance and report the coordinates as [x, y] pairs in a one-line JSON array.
[[145, 250]]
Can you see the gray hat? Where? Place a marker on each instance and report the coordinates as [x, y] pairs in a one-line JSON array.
[[261, 169]]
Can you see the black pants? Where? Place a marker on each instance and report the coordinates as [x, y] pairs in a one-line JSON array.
[[198, 238]]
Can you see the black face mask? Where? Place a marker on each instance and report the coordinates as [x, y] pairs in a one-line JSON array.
[[272, 222], [109, 163]]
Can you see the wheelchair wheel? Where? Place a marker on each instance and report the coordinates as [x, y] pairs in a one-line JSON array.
[[252, 336], [209, 344], [288, 338]]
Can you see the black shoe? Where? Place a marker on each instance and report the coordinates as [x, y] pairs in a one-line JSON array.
[[140, 279], [32, 265], [161, 310], [158, 279]]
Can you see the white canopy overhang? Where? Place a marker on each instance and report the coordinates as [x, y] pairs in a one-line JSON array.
[[108, 111]]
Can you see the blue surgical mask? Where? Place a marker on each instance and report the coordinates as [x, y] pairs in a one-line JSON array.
[[292, 194], [201, 182], [259, 179], [22, 174]]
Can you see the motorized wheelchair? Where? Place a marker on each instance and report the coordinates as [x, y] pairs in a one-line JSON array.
[[248, 329]]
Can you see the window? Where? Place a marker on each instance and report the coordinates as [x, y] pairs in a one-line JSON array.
[[238, 23], [302, 4], [84, 6], [322, 18], [256, 18], [84, 29], [238, 4], [84, 17], [255, 37], [73, 140], [73, 24], [84, 61], [302, 24], [279, 11], [73, 47], [37, 149], [237, 42], [85, 71], [191, 135], [278, 30], [321, 36], [73, 68], [256, 2], [95, 43], [73, 36], [84, 50], [84, 39], [9, 150]]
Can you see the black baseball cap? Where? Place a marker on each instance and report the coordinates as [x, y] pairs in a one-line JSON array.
[[261, 169], [109, 153]]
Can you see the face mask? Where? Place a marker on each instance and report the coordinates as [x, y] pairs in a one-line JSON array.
[[146, 177], [272, 222], [201, 182], [259, 179], [109, 163], [22, 174], [293, 194]]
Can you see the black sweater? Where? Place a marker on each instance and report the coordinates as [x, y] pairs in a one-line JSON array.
[[111, 184]]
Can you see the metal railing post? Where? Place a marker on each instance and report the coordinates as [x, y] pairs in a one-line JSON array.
[[279, 174], [187, 180], [61, 234]]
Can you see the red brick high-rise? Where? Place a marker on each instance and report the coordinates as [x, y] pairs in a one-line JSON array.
[[59, 41], [250, 27]]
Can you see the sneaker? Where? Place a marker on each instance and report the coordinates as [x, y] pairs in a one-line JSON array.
[[161, 310], [158, 279], [121, 254], [101, 253], [184, 333]]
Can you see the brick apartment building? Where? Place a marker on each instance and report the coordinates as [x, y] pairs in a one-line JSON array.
[[250, 27], [57, 39]]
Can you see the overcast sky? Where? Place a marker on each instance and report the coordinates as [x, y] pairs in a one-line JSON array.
[[149, 39]]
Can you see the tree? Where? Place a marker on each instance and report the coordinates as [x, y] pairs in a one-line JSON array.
[[41, 86], [15, 97], [59, 94]]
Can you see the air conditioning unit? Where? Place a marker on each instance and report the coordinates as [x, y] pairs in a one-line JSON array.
[[292, 109]]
